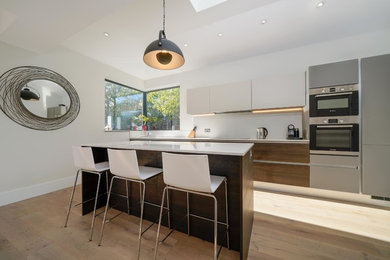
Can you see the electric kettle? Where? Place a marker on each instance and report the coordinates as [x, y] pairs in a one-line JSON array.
[[262, 133]]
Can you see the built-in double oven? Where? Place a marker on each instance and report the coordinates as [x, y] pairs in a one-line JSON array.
[[334, 138], [334, 120]]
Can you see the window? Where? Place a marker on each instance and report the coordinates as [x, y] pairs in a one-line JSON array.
[[163, 109], [131, 109], [123, 106]]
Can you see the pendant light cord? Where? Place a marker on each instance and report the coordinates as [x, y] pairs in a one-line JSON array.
[[164, 15]]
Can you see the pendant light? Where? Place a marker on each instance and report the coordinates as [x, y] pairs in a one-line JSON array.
[[27, 94], [163, 54]]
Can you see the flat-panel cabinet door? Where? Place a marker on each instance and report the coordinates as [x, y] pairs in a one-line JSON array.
[[340, 173], [279, 91], [344, 179], [375, 74], [231, 97], [376, 170], [198, 101], [375, 99], [334, 74]]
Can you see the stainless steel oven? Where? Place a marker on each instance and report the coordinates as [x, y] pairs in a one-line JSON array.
[[334, 101], [336, 136]]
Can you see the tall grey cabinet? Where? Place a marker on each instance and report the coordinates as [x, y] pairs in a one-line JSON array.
[[375, 83]]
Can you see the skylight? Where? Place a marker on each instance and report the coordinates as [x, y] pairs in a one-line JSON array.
[[200, 5]]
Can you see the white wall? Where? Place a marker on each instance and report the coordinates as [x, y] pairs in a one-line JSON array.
[[33, 162], [244, 125], [278, 63]]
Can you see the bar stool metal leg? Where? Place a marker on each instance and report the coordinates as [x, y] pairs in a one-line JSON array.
[[142, 199], [159, 222], [169, 212], [71, 198], [227, 216], [215, 227], [188, 214], [94, 208], [105, 212]]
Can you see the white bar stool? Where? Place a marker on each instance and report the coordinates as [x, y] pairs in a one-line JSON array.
[[124, 166], [84, 162], [191, 174]]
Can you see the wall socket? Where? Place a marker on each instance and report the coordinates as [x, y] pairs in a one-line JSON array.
[[207, 130]]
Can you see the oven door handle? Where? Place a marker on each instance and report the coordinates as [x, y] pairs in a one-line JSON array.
[[335, 94], [335, 126]]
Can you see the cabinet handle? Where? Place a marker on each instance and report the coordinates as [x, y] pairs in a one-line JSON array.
[[334, 126], [278, 162], [335, 94]]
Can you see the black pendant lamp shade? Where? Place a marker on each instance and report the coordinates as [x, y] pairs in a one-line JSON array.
[[27, 94], [162, 53]]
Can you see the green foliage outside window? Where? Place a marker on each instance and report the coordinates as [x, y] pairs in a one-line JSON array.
[[124, 108], [163, 109]]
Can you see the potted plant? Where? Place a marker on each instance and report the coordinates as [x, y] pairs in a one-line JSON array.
[[144, 120]]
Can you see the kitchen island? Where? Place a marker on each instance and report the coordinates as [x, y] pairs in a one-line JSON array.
[[232, 160]]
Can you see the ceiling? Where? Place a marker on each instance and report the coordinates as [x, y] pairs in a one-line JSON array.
[[43, 25]]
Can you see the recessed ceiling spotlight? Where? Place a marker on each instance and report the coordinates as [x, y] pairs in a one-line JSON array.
[[219, 34], [320, 4], [264, 21], [185, 45], [106, 34]]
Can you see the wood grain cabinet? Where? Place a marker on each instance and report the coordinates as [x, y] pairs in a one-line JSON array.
[[279, 91], [282, 163]]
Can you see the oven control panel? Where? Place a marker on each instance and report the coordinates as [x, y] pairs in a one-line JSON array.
[[335, 89], [334, 120]]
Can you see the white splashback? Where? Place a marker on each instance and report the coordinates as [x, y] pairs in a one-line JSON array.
[[244, 125]]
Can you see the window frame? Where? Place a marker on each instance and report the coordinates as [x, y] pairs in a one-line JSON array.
[[144, 101]]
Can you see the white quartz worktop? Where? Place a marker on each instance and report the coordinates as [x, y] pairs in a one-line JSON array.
[[227, 140], [237, 149]]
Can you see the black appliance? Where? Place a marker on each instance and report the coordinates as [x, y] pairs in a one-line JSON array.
[[292, 132], [334, 136], [334, 101]]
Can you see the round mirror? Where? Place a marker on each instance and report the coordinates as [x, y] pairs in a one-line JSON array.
[[45, 99], [38, 98]]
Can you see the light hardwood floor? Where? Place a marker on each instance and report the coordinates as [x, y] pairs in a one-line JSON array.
[[33, 229], [285, 227], [290, 227]]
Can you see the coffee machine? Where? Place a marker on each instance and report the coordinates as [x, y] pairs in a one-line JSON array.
[[292, 132]]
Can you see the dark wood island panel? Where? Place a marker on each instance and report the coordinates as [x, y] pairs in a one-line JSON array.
[[237, 169]]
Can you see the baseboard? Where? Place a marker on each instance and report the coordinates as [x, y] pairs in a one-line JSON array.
[[23, 193]]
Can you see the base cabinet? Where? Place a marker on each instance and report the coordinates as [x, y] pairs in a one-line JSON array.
[[339, 173], [281, 163]]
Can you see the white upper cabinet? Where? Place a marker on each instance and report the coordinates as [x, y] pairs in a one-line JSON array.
[[279, 91], [231, 97], [198, 101]]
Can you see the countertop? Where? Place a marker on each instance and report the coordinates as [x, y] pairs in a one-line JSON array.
[[236, 149], [227, 140]]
